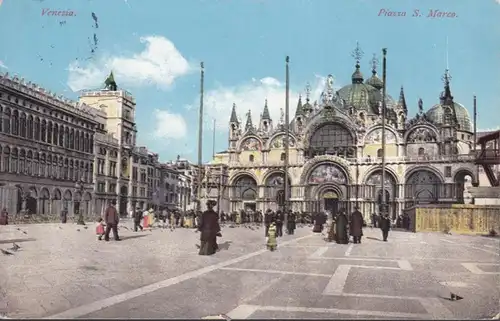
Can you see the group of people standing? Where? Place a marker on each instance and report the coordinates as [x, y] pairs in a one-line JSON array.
[[343, 227]]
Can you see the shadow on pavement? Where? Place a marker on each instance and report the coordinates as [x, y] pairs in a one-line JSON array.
[[373, 238], [225, 245], [17, 241], [124, 238]]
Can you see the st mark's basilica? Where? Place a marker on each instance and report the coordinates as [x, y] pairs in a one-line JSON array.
[[335, 152]]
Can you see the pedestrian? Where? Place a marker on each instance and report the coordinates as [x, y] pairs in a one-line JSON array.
[[210, 229], [280, 218], [4, 217], [137, 215], [268, 219], [406, 221], [385, 226], [272, 242], [356, 226], [99, 229], [111, 219], [374, 220], [291, 223], [341, 228], [319, 221], [331, 232]]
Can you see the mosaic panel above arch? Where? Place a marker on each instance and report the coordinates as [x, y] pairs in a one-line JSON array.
[[279, 142], [327, 173], [375, 137], [251, 144], [422, 135]]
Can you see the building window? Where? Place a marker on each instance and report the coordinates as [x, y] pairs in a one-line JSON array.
[[251, 158], [112, 188], [447, 171], [380, 153], [283, 157], [101, 187], [421, 151]]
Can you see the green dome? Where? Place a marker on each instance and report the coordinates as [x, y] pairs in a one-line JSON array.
[[437, 115], [375, 81]]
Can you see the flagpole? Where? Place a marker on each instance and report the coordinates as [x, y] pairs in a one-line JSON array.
[[287, 134], [200, 137], [213, 142], [383, 209]]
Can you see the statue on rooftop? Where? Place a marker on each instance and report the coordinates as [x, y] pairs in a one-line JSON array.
[[110, 83]]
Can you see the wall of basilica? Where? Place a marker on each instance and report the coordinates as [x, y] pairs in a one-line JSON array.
[[335, 154]]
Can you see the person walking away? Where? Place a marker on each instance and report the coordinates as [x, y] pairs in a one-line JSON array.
[[4, 217], [385, 226], [291, 224], [331, 232], [374, 220], [137, 216], [356, 226], [111, 219], [341, 228], [280, 218], [210, 229], [406, 221], [99, 229], [272, 242], [172, 220], [319, 221], [268, 218]]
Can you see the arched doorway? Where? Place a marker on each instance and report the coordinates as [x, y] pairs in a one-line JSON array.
[[422, 187], [31, 201], [123, 200], [330, 201], [326, 188], [56, 202], [463, 179], [87, 199], [44, 201], [68, 196], [274, 191], [373, 193], [244, 193]]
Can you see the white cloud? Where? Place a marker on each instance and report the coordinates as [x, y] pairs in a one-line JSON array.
[[2, 65], [160, 63], [169, 125], [489, 129], [251, 96], [497, 1]]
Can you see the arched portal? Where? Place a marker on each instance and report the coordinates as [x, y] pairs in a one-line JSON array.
[[332, 139], [244, 193], [44, 202], [463, 179], [373, 193], [274, 191], [31, 201], [422, 187], [327, 188], [56, 202]]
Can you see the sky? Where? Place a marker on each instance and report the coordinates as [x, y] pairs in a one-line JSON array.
[[155, 47]]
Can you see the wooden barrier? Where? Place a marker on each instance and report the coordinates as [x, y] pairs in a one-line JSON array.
[[455, 218]]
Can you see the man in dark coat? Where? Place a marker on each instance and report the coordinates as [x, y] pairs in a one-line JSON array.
[[341, 228], [385, 226], [111, 218], [137, 219], [280, 219], [210, 229], [319, 220], [356, 226], [291, 224]]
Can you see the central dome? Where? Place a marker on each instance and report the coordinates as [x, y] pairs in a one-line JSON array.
[[437, 115]]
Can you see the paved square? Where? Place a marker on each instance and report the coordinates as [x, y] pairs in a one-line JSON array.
[[62, 271]]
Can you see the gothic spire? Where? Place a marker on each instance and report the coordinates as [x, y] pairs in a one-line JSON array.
[[234, 118], [265, 114], [299, 111], [446, 96], [402, 100], [249, 124]]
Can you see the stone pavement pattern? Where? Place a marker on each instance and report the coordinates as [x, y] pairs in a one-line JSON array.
[[62, 272]]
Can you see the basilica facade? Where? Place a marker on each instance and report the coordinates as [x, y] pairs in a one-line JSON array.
[[335, 152]]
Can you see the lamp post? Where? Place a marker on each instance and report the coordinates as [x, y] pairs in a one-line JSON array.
[[80, 188]]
